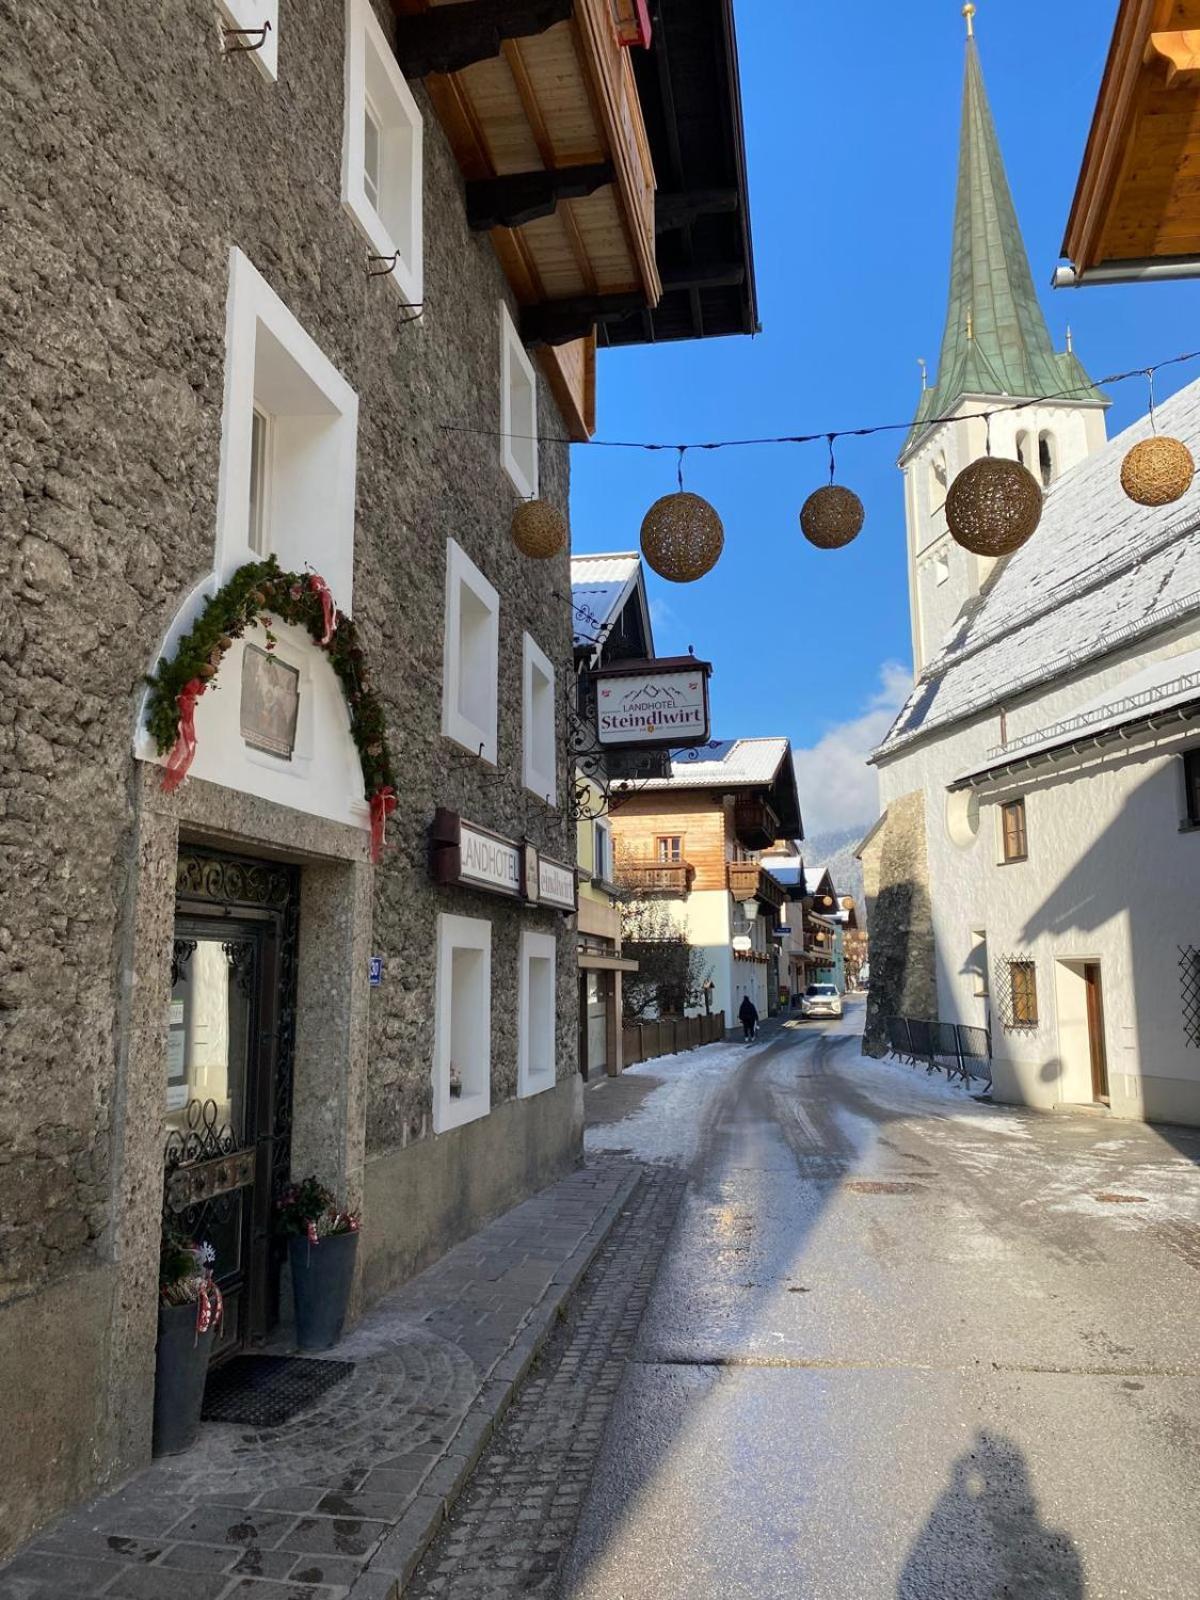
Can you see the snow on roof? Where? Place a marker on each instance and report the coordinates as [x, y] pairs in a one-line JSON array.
[[734, 762], [600, 585], [1098, 570], [1156, 688]]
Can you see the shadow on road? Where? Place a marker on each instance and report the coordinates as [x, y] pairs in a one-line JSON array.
[[986, 1540]]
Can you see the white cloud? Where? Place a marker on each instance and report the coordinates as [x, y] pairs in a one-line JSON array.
[[837, 787]]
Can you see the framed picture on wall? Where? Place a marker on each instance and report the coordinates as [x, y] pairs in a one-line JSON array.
[[270, 702]]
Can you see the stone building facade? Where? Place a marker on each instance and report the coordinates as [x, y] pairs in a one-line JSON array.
[[157, 187]]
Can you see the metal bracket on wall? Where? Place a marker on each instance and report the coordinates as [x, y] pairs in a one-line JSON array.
[[244, 33]]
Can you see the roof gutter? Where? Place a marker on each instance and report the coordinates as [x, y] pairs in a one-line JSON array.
[[1170, 269], [1120, 733]]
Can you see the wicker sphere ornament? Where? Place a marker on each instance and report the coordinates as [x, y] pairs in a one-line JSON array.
[[1158, 471], [832, 517], [539, 530], [994, 506], [682, 537]]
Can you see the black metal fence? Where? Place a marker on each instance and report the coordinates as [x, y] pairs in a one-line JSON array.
[[955, 1048]]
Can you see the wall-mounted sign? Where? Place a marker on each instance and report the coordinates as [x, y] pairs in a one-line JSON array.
[[472, 857], [742, 942], [658, 704], [376, 971]]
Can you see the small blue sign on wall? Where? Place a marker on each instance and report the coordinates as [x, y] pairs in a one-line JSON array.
[[376, 971]]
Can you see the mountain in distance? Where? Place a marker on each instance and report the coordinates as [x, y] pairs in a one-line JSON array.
[[835, 849]]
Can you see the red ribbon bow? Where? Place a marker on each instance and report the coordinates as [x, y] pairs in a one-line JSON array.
[[383, 803], [321, 589], [184, 749]]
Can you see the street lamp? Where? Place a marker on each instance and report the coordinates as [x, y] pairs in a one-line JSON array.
[[750, 909]]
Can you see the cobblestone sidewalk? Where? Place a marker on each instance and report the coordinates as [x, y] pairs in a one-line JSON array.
[[343, 1500], [507, 1534]]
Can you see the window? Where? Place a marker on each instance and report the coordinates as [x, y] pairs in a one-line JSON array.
[[1023, 977], [536, 1013], [1025, 451], [602, 857], [518, 410], [1191, 785], [251, 15], [382, 152], [539, 771], [462, 1038], [289, 438], [669, 847], [1046, 459], [1013, 832], [471, 658]]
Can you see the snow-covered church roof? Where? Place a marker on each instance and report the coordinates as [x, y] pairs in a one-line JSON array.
[[1099, 572]]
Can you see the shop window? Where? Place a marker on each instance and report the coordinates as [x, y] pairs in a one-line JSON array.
[[602, 856], [536, 1011], [1013, 832], [1191, 787], [471, 660], [669, 847], [251, 15], [289, 437], [462, 1041], [539, 764], [518, 409], [382, 151]]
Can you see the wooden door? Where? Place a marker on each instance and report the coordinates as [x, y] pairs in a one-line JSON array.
[[1095, 1016]]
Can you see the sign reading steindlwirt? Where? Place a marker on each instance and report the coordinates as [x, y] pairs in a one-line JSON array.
[[471, 857], [658, 704]]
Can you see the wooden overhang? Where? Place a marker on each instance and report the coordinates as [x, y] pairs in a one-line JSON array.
[[540, 104], [1136, 212], [690, 90]]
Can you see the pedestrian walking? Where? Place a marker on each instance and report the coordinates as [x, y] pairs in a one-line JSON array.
[[706, 988], [748, 1016]]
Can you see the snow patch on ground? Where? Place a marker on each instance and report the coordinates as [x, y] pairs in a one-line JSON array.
[[666, 1126]]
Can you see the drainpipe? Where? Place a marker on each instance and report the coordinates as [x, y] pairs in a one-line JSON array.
[[1169, 270]]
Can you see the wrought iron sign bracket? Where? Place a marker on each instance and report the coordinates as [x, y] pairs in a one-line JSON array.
[[259, 36]]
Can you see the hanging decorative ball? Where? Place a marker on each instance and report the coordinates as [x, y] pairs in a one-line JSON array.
[[682, 537], [832, 517], [539, 530], [993, 506], [1158, 471]]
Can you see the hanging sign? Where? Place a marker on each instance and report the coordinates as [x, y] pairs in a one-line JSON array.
[[657, 704], [469, 856]]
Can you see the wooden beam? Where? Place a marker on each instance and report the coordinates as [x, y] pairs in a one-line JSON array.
[[451, 38], [521, 197], [561, 321], [1180, 49], [679, 210], [704, 275]]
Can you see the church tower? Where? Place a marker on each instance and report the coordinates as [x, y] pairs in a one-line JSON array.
[[996, 349]]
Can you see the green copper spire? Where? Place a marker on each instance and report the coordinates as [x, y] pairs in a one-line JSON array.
[[996, 340]]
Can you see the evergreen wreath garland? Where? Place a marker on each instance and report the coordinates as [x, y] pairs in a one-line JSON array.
[[259, 592]]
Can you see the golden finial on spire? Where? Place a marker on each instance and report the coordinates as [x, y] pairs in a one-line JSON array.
[[970, 323], [969, 12]]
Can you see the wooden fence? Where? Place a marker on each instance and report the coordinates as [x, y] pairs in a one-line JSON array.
[[646, 1041]]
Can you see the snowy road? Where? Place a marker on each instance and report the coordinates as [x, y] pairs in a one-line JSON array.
[[902, 1345]]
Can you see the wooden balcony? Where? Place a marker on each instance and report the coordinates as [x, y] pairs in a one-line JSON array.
[[672, 879], [750, 881], [755, 824]]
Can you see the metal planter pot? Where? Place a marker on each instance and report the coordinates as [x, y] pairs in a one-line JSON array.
[[321, 1277], [181, 1366]]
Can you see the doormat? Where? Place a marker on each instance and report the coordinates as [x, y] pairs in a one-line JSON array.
[[268, 1390]]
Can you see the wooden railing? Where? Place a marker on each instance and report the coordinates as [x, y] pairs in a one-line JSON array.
[[748, 880], [657, 877]]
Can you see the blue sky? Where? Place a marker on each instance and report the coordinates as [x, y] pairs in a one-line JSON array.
[[852, 124]]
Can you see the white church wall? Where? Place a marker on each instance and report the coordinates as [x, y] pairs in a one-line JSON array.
[[1110, 878]]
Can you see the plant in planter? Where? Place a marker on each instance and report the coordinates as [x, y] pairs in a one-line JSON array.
[[322, 1247], [190, 1310], [456, 1083]]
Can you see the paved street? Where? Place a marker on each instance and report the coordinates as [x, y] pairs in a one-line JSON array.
[[902, 1344]]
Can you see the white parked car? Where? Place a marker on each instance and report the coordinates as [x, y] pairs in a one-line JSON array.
[[821, 1000]]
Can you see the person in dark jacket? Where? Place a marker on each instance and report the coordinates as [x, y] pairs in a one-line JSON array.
[[748, 1016]]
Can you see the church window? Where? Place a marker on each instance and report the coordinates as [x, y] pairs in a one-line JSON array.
[[1025, 450], [939, 477], [941, 570], [1023, 977], [1046, 460], [1013, 831]]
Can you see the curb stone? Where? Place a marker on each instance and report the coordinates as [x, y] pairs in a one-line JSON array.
[[394, 1563]]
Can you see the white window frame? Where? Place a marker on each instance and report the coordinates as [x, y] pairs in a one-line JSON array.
[[535, 1031], [517, 429], [543, 783], [602, 830], [461, 933], [271, 363], [251, 14], [477, 737], [369, 56]]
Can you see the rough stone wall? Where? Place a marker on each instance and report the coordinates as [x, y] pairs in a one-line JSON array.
[[900, 916], [133, 158]]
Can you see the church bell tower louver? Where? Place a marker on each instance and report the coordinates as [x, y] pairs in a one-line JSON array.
[[996, 348]]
